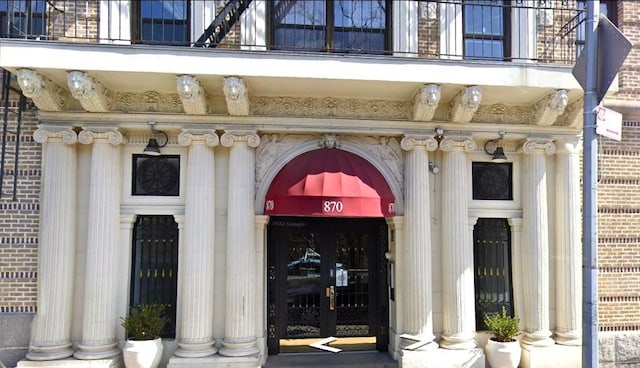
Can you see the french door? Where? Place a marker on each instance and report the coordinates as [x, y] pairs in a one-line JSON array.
[[327, 278]]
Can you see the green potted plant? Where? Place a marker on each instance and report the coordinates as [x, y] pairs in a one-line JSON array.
[[503, 350], [143, 326]]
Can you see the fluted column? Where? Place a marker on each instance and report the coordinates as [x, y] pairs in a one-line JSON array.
[[568, 245], [197, 251], [535, 242], [100, 317], [418, 296], [457, 249], [51, 331], [516, 264], [240, 336]]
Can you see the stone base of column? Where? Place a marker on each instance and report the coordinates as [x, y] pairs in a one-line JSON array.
[[95, 352], [215, 361], [442, 358], [461, 341], [195, 350], [538, 338], [570, 338], [115, 362], [50, 352], [239, 349], [551, 356]]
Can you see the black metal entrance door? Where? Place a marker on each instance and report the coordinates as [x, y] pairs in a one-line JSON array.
[[327, 277]]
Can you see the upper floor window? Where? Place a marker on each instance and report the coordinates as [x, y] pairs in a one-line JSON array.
[[608, 8], [486, 26], [163, 22], [347, 26], [22, 18]]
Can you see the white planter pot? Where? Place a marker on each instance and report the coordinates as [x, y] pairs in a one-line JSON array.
[[142, 353], [503, 354]]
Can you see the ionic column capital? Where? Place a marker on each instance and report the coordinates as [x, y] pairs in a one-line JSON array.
[[411, 142], [113, 137], [64, 135], [538, 145], [462, 143], [231, 137], [569, 146], [207, 137]]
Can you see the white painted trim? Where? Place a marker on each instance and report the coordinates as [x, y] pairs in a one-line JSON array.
[[254, 27], [404, 27], [115, 22], [203, 12], [451, 37]]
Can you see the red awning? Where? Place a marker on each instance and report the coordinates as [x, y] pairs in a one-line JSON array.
[[330, 182]]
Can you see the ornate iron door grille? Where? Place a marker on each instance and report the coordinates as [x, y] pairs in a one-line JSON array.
[[154, 268]]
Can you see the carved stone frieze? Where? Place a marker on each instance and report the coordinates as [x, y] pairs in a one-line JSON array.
[[465, 104], [426, 102], [546, 111], [237, 96], [149, 101], [192, 95], [502, 114], [346, 108], [45, 94], [93, 96]]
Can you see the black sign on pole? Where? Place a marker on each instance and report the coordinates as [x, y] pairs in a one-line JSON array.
[[613, 48]]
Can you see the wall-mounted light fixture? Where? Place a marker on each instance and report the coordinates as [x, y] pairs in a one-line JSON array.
[[498, 155], [433, 167], [153, 147]]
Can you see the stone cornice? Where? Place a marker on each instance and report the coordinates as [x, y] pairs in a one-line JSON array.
[[465, 104], [93, 96], [64, 135], [46, 94], [192, 95], [207, 137], [231, 137], [237, 96], [411, 142]]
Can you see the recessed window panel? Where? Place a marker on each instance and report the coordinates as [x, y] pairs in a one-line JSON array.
[[156, 175], [492, 181]]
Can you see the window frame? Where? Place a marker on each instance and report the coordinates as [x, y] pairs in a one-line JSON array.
[[36, 20], [138, 22], [505, 36]]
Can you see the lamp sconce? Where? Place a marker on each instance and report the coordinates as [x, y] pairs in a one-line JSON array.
[[497, 155], [433, 167], [153, 147], [439, 134]]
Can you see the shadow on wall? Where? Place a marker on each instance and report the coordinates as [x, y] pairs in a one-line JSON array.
[[14, 338]]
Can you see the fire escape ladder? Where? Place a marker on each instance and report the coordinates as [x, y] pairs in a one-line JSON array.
[[222, 24], [7, 109]]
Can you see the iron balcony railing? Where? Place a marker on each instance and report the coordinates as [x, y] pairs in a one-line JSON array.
[[543, 31]]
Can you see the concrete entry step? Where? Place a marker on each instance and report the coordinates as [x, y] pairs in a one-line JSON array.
[[372, 359]]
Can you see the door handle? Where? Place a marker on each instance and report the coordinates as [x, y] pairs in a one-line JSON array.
[[331, 294]]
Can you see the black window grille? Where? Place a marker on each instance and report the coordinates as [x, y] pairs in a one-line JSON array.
[[608, 8], [154, 268], [22, 18], [492, 266], [343, 26], [487, 26], [161, 22], [492, 181], [156, 175]]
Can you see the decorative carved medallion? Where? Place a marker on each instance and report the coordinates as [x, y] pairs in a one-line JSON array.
[[502, 114], [150, 101]]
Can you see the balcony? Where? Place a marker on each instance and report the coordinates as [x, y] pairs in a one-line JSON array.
[[366, 49]]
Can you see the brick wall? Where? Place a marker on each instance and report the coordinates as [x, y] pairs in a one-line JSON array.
[[19, 219], [619, 199]]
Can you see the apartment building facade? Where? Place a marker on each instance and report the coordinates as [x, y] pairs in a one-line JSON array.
[[280, 172]]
